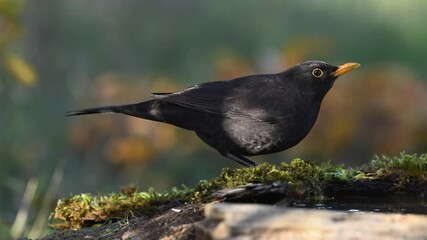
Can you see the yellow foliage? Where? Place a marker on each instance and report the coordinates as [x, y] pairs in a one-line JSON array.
[[20, 69], [10, 31], [129, 150]]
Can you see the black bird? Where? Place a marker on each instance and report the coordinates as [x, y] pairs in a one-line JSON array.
[[246, 116]]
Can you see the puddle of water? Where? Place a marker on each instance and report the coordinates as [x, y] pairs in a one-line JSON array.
[[388, 203]]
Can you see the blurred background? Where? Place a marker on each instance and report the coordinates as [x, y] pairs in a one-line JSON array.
[[63, 55]]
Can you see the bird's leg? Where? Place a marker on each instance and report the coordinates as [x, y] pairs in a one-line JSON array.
[[241, 160]]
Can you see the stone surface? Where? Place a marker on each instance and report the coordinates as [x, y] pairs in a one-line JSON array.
[[255, 221]]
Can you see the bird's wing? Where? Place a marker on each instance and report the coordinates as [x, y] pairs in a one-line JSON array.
[[208, 97], [223, 98]]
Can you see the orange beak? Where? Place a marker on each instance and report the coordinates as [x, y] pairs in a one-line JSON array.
[[345, 68]]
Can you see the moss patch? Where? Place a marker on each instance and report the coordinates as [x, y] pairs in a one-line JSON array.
[[88, 209], [298, 172], [399, 173], [408, 172]]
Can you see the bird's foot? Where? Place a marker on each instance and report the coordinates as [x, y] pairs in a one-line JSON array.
[[241, 160]]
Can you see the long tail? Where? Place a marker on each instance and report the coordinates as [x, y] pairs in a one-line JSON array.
[[105, 109], [141, 110]]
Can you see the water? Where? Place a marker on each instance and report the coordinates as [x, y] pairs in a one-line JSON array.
[[387, 203]]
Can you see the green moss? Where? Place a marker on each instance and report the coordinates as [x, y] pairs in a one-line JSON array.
[[82, 209], [413, 165], [74, 212], [406, 168], [312, 176]]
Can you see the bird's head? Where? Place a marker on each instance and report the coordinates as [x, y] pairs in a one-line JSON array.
[[315, 78]]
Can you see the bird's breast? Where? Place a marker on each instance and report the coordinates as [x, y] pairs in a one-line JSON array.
[[259, 137]]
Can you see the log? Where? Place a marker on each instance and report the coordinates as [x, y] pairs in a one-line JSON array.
[[258, 221]]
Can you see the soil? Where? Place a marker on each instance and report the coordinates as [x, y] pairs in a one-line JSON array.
[[175, 223]]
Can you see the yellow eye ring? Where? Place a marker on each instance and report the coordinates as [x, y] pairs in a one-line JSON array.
[[317, 72]]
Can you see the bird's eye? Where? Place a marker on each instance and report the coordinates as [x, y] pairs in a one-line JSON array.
[[317, 72]]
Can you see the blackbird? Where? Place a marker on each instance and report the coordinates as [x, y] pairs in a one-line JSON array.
[[246, 116]]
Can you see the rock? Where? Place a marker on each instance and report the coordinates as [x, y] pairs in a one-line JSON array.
[[256, 221]]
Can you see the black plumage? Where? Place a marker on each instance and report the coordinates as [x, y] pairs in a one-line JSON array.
[[246, 116]]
